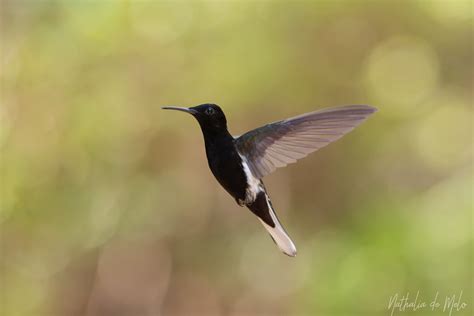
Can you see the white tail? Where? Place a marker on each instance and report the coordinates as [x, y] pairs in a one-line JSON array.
[[256, 199], [278, 233]]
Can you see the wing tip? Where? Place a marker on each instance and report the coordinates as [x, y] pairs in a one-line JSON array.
[[369, 109]]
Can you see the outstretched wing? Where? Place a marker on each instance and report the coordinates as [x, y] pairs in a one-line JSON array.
[[280, 143]]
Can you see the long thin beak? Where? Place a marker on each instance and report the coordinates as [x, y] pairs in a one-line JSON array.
[[178, 108]]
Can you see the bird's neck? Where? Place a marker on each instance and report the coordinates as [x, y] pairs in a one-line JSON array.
[[217, 139]]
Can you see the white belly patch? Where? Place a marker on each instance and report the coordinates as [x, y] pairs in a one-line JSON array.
[[254, 185]]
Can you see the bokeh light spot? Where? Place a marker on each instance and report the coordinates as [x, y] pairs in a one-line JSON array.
[[444, 137], [401, 72], [449, 12]]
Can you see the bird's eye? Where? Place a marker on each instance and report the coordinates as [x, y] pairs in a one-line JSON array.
[[210, 111]]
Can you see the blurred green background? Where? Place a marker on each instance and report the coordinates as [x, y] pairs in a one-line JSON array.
[[107, 203]]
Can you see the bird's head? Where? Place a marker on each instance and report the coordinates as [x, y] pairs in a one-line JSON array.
[[210, 116]]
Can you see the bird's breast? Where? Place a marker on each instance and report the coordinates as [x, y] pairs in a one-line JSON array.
[[226, 166]]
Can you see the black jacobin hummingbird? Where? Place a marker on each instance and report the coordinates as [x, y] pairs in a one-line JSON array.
[[239, 163]]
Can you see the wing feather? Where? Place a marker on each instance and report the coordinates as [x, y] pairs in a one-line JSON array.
[[280, 143]]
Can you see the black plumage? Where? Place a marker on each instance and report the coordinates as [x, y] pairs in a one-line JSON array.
[[240, 163]]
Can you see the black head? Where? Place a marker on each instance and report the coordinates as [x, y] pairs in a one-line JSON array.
[[210, 116]]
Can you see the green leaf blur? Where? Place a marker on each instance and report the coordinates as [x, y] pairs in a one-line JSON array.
[[107, 203]]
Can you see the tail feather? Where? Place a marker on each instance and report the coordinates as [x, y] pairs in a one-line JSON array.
[[262, 207]]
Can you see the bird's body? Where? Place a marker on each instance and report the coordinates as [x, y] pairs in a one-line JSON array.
[[240, 163], [231, 170], [226, 164]]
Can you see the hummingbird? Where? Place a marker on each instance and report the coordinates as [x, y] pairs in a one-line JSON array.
[[239, 163]]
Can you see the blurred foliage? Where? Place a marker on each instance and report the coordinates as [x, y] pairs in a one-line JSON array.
[[107, 204]]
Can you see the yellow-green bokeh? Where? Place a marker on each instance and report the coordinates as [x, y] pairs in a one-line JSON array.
[[107, 204]]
